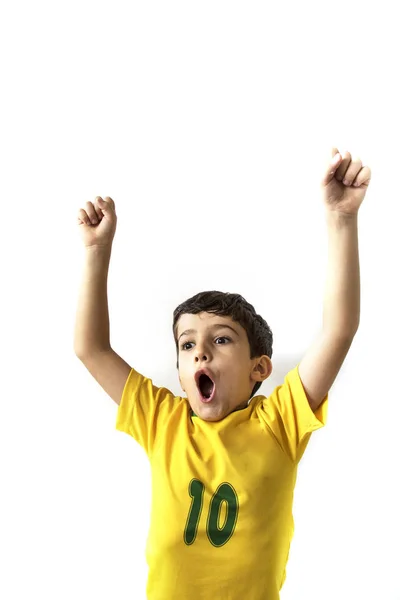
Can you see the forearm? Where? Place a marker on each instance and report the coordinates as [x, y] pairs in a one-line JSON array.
[[92, 326], [342, 295]]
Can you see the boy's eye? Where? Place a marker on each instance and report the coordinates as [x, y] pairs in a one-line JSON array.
[[218, 338]]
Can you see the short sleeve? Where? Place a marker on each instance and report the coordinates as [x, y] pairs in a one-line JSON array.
[[144, 409], [287, 415]]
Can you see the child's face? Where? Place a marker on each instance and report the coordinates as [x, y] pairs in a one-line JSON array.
[[229, 361]]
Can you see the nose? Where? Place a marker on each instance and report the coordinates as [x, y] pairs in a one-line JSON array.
[[201, 354], [203, 350]]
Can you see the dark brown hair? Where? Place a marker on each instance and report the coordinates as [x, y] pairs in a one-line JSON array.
[[229, 305]]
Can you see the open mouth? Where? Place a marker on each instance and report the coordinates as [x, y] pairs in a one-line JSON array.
[[206, 388]]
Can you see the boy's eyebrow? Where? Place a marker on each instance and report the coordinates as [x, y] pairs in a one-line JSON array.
[[215, 326]]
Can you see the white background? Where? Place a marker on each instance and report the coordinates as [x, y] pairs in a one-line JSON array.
[[209, 124]]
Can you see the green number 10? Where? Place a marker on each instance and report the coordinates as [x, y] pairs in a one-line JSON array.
[[218, 536]]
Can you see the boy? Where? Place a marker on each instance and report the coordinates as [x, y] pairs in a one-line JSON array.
[[224, 468]]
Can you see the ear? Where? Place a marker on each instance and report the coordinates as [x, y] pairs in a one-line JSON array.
[[264, 368]]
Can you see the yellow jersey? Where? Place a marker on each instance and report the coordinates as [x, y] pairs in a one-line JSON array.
[[222, 492]]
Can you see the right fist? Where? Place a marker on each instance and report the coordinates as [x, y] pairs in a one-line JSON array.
[[97, 224]]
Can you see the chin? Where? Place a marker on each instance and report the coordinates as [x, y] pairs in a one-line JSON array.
[[212, 413], [212, 418]]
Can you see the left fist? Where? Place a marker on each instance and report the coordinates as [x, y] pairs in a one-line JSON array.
[[345, 183]]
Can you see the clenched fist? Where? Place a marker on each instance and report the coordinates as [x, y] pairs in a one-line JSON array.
[[98, 223]]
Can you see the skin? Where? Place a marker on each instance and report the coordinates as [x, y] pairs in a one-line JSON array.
[[228, 359]]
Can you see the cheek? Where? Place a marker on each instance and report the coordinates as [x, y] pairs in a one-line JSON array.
[[235, 384]]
